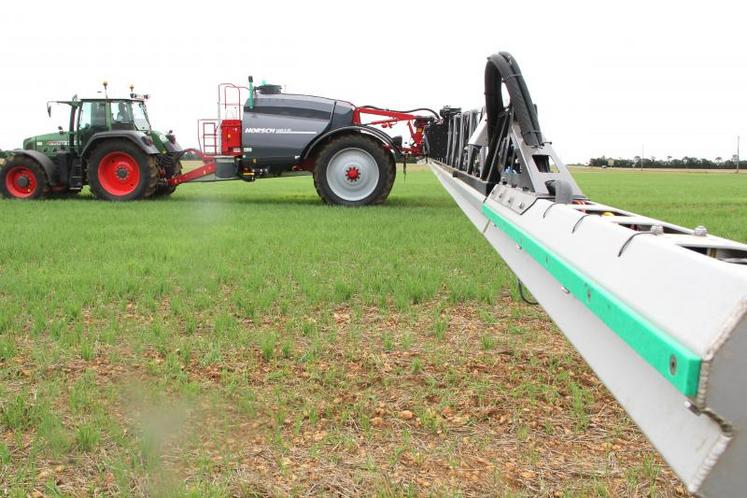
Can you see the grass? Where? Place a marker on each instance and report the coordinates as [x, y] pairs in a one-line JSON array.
[[246, 340]]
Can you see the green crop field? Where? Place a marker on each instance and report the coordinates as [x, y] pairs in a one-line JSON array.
[[246, 340], [717, 200]]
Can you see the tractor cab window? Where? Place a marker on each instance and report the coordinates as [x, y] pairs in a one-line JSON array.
[[121, 115], [92, 115], [129, 115], [91, 120], [140, 116]]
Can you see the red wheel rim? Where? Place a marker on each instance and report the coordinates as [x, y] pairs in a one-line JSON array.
[[119, 173], [21, 182]]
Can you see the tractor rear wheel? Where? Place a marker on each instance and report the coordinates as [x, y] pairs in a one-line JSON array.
[[119, 170], [23, 178], [354, 170]]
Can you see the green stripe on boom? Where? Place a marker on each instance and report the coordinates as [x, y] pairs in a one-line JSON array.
[[675, 362]]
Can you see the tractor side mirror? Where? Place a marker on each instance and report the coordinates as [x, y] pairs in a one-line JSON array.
[[59, 128], [49, 109]]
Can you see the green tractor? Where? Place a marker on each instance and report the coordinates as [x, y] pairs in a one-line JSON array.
[[109, 146]]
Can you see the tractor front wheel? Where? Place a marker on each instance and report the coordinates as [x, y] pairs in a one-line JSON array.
[[354, 170], [119, 170], [23, 178]]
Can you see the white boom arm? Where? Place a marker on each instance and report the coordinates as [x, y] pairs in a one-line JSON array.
[[658, 311]]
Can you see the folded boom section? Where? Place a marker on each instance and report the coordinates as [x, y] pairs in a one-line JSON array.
[[658, 311]]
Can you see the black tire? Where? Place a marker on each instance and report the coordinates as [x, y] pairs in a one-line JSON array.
[[23, 178], [113, 158], [391, 177], [164, 190], [334, 191]]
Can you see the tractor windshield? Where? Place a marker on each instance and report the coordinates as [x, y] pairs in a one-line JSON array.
[[130, 114], [140, 116]]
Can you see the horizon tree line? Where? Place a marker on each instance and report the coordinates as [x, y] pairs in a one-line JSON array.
[[686, 162]]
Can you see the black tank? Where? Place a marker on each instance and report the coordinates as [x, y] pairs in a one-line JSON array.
[[279, 127]]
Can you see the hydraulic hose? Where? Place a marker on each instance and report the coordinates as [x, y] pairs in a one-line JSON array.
[[502, 68]]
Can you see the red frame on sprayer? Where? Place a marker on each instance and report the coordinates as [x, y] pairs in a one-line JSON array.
[[392, 118]]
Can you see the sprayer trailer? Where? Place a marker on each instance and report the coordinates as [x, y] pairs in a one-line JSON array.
[[260, 132]]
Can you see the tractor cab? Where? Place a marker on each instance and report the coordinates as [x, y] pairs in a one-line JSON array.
[[112, 114], [100, 115], [89, 117]]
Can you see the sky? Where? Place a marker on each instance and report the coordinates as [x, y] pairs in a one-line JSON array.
[[609, 78]]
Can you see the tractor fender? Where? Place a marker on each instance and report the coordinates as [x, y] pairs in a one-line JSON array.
[[49, 167], [143, 141], [368, 130]]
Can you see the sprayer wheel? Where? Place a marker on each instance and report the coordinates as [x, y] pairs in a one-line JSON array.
[[354, 170]]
